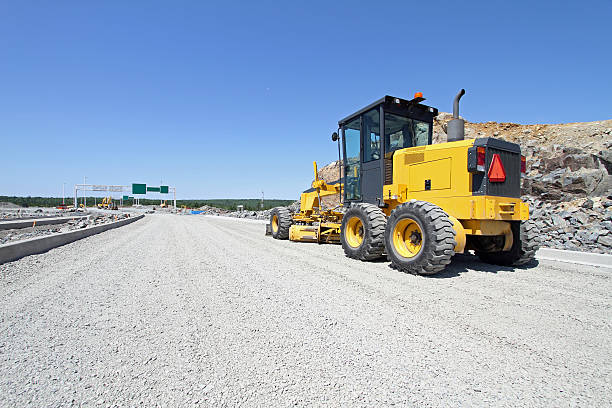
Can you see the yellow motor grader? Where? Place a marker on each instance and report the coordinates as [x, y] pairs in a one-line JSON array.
[[108, 204], [417, 202]]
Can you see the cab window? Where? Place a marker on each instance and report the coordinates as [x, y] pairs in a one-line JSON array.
[[421, 132], [402, 132], [352, 166], [371, 139]]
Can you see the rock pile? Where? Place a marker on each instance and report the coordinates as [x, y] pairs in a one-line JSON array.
[[208, 210], [564, 173], [254, 215], [8, 212], [94, 219], [261, 215], [583, 224], [7, 236]]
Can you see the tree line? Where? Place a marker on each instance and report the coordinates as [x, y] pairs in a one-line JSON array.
[[250, 204]]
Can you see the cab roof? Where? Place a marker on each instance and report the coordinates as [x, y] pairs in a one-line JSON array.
[[396, 102]]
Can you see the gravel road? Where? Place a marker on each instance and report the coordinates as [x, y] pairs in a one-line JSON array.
[[186, 310]]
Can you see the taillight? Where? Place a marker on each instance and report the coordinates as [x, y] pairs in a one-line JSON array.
[[523, 165], [480, 159]]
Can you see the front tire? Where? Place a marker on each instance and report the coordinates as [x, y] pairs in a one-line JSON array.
[[280, 222], [362, 233], [420, 238]]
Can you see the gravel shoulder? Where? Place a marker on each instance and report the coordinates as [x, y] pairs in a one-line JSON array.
[[179, 310]]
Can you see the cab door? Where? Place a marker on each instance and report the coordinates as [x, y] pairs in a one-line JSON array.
[[371, 174], [352, 160]]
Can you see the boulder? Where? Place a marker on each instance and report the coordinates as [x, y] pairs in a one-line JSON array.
[[581, 217], [578, 161], [558, 221], [603, 186], [605, 240], [604, 158]]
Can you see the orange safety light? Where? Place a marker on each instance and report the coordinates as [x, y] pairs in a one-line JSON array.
[[418, 95], [497, 173], [480, 159]]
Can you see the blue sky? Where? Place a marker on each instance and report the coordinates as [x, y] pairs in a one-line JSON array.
[[227, 100]]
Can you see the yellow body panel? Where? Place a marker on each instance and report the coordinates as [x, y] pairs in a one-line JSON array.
[[445, 164], [418, 173]]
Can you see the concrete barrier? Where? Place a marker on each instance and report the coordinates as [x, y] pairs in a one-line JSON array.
[[16, 224], [576, 257], [29, 218], [13, 251]]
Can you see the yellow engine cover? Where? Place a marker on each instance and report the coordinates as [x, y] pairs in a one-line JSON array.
[[438, 174]]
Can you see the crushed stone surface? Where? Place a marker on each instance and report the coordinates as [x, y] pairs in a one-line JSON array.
[[183, 311]]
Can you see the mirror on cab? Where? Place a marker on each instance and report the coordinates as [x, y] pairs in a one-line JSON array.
[[334, 136]]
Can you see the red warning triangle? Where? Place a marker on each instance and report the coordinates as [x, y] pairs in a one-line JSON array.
[[497, 173]]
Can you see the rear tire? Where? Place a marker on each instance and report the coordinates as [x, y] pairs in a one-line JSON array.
[[280, 222], [420, 238], [362, 233], [525, 243]]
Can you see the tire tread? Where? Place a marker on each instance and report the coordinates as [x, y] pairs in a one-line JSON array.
[[284, 222], [442, 235], [373, 246]]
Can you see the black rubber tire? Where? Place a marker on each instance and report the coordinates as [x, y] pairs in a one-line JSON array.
[[438, 237], [284, 222], [525, 243], [374, 221]]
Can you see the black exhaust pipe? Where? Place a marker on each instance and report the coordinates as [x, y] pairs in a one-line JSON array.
[[456, 127]]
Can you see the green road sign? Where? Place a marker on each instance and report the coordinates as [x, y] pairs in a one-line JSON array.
[[125, 198], [155, 189], [139, 189], [163, 189]]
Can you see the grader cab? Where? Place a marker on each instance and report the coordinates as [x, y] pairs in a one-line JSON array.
[[417, 202]]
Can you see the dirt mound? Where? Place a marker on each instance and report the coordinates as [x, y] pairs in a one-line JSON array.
[[591, 137]]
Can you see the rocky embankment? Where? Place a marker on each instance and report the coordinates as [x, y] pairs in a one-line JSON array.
[[7, 236], [256, 215], [582, 224], [569, 178]]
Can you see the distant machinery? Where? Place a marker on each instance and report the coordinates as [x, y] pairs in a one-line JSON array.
[[135, 189]]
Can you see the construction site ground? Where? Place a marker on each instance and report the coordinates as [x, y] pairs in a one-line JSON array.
[[179, 310]]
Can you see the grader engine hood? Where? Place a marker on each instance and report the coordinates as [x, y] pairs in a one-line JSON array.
[[471, 179]]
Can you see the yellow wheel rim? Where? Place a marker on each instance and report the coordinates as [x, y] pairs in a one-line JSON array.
[[354, 232], [407, 238], [275, 223]]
